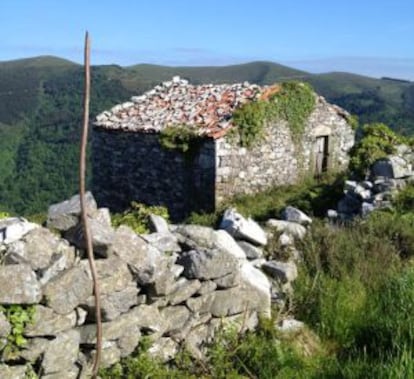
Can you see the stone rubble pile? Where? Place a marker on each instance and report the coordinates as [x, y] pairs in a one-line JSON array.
[[387, 176], [176, 285], [209, 107]]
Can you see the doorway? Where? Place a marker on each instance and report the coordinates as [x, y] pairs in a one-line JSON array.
[[321, 154]]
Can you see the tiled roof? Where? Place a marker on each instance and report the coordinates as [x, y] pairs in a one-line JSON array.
[[209, 107]]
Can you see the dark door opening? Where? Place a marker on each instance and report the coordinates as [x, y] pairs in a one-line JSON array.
[[321, 155]]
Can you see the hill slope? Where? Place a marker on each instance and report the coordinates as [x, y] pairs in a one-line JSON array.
[[41, 108]]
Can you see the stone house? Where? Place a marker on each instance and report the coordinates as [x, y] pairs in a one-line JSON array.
[[130, 164]]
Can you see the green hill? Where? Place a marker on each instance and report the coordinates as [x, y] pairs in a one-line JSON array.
[[41, 110]]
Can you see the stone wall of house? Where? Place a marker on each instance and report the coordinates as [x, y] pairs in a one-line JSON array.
[[176, 286], [278, 160], [131, 166], [134, 167]]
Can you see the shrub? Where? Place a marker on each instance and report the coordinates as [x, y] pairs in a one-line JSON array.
[[377, 142], [4, 215]]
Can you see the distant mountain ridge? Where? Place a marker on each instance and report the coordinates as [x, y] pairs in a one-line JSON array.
[[41, 107]]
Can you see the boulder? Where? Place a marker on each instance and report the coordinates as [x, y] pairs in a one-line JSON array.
[[19, 285], [101, 234], [4, 326], [61, 353], [292, 228], [158, 224], [229, 280], [241, 228], [14, 228], [208, 264], [251, 251], [65, 215], [166, 243], [226, 243], [48, 323], [68, 290], [40, 248], [184, 290], [142, 260], [103, 216], [129, 341], [177, 317], [201, 304], [163, 349], [196, 235], [293, 214], [113, 274], [282, 271], [114, 304], [290, 325], [207, 287], [393, 167], [13, 372]]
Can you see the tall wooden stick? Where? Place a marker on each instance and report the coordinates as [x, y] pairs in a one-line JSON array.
[[82, 169]]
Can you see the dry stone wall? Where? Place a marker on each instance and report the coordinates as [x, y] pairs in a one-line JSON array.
[[176, 286]]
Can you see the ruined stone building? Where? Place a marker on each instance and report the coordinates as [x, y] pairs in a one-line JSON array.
[[130, 164]]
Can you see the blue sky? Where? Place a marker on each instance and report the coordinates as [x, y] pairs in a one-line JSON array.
[[371, 37]]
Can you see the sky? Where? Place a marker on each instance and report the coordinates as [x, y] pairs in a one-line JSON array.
[[369, 37]]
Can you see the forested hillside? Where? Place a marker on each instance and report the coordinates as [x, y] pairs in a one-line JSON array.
[[41, 110]]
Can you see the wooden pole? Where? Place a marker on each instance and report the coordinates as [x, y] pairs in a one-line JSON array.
[[84, 216]]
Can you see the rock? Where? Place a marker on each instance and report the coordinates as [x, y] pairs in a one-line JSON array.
[[200, 236], [349, 205], [362, 192], [163, 282], [229, 280], [163, 349], [251, 251], [111, 354], [283, 271], [65, 215], [14, 228], [158, 224], [113, 274], [293, 214], [132, 249], [61, 353], [184, 290], [226, 243], [34, 348], [114, 304], [39, 248], [70, 373], [4, 326], [177, 317], [207, 287], [65, 292], [290, 325], [103, 216], [19, 285], [101, 234], [62, 260], [332, 214], [393, 167], [286, 239], [201, 304], [241, 228], [129, 341], [166, 243], [350, 185], [366, 209], [291, 228], [207, 264], [48, 323], [12, 372]]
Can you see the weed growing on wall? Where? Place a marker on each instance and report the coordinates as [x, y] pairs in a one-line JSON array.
[[137, 217], [18, 316], [182, 138]]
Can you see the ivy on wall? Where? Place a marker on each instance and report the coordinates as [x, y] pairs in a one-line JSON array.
[[292, 102]]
